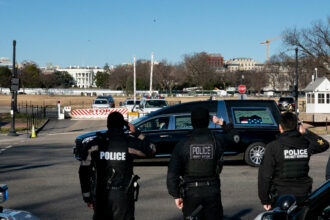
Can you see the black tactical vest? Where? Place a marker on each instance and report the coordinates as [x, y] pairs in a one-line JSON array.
[[295, 162], [202, 159], [114, 162]]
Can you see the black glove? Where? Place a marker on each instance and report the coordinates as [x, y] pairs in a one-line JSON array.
[[88, 199]]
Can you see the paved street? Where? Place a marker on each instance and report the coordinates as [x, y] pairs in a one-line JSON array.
[[42, 177]]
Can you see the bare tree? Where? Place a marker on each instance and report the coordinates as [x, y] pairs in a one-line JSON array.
[[120, 77], [313, 42], [255, 80], [200, 73]]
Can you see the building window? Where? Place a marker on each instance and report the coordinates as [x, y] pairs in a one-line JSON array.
[[321, 98], [328, 98], [308, 98], [313, 99]]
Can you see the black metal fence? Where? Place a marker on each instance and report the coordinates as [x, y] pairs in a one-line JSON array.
[[35, 117]]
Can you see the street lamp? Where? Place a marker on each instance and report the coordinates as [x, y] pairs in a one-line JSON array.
[[13, 88]]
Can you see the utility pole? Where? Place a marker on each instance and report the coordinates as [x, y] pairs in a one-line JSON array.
[[151, 70], [296, 86], [13, 88], [134, 80]]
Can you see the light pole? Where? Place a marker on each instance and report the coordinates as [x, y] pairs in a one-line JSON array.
[[296, 86], [13, 90]]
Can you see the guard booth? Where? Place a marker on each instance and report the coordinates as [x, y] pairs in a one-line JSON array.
[[317, 95]]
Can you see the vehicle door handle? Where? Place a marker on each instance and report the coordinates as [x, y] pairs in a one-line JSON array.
[[164, 136]]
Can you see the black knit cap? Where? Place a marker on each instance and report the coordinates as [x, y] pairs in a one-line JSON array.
[[115, 120], [200, 117]]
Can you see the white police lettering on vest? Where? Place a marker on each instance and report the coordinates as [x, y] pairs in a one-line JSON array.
[[201, 151], [295, 153], [112, 155]]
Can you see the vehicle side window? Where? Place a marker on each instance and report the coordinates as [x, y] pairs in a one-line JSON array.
[[160, 123], [183, 122], [252, 116]]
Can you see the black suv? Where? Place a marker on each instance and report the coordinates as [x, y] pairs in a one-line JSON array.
[[109, 98], [286, 103], [255, 122]]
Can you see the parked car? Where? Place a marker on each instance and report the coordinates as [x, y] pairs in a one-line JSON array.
[[129, 104], [316, 206], [10, 214], [254, 121], [100, 103], [110, 100], [286, 103], [150, 105]]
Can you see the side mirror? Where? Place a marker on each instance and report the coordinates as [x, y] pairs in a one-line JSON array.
[[3, 193], [285, 202]]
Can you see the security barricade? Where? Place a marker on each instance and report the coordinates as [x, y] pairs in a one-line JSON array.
[[96, 113]]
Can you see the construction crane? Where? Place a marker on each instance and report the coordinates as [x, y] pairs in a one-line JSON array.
[[267, 45]]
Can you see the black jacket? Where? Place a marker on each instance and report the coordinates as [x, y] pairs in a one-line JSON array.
[[271, 169], [177, 167], [93, 148]]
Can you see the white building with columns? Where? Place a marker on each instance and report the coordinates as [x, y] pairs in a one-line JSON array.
[[84, 76], [241, 63]]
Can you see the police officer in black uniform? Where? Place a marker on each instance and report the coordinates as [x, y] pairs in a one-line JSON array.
[[327, 171], [284, 169], [106, 172], [193, 172]]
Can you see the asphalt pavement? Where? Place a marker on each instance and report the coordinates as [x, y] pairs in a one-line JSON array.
[[42, 177]]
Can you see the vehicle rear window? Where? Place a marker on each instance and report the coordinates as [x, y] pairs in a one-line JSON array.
[[132, 102], [183, 122], [286, 100], [155, 104], [100, 102], [252, 116], [155, 124]]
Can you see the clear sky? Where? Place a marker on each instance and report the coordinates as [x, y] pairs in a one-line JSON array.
[[95, 32]]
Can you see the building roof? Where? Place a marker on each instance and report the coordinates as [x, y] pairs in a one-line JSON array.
[[214, 55], [5, 62], [312, 86]]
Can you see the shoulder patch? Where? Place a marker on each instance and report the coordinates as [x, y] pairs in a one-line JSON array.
[[320, 141]]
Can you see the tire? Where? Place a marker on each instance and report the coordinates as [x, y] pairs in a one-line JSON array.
[[254, 154]]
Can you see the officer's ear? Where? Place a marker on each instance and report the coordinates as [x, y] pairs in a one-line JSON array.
[[281, 128]]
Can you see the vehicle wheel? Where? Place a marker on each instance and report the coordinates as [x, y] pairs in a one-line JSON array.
[[254, 154]]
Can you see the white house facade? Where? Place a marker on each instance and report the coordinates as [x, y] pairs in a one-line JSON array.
[[318, 96], [84, 76], [239, 64]]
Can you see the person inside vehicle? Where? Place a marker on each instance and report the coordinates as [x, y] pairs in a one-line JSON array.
[[163, 123]]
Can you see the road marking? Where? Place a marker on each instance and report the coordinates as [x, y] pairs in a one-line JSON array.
[[67, 133], [5, 148]]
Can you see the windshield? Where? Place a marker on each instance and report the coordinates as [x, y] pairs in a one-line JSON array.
[[131, 102], [155, 103], [100, 101], [138, 120], [286, 100]]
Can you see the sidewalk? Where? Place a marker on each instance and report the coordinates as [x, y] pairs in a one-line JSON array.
[[20, 136]]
